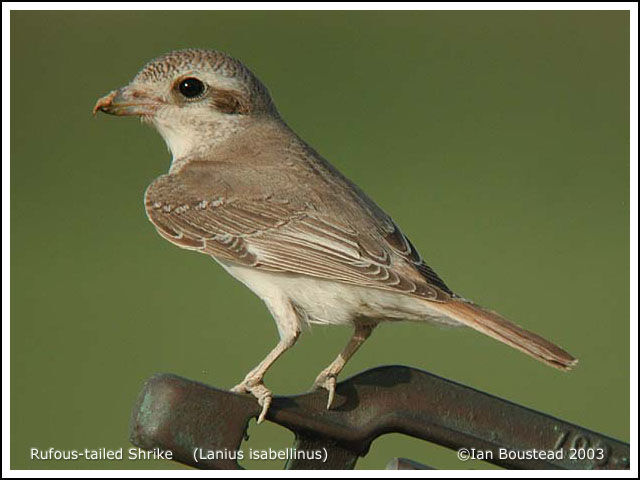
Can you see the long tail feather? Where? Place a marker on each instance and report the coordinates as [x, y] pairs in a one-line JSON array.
[[498, 327]]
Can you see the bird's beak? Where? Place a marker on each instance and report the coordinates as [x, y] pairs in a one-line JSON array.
[[127, 101]]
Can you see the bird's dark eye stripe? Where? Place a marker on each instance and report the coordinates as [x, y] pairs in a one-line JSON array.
[[191, 87]]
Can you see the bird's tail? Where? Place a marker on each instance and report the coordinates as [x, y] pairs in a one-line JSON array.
[[498, 327]]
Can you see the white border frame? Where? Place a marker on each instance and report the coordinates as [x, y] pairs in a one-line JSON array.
[[9, 6]]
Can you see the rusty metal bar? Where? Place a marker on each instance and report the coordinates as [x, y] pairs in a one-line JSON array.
[[180, 415], [399, 463]]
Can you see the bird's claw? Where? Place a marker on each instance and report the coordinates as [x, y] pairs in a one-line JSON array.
[[326, 380], [256, 388]]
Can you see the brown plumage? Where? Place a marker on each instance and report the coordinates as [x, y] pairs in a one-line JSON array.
[[246, 190]]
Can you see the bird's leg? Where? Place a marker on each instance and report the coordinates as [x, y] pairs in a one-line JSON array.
[[327, 377], [289, 329]]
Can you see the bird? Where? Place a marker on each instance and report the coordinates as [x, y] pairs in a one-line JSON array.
[[246, 190]]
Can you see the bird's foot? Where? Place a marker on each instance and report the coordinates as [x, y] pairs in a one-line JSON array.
[[255, 387], [326, 380]]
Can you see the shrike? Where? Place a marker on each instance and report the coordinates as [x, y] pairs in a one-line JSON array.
[[244, 189]]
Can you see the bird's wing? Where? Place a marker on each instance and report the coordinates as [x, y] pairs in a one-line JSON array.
[[267, 233]]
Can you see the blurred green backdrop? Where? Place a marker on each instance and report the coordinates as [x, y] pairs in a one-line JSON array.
[[499, 141]]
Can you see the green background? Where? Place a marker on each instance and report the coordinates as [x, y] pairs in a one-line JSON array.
[[499, 141]]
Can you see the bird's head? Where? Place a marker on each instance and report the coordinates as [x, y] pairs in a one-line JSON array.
[[194, 98]]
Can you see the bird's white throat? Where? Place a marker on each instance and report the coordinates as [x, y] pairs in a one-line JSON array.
[[189, 136]]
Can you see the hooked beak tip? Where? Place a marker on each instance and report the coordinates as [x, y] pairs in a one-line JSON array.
[[104, 103]]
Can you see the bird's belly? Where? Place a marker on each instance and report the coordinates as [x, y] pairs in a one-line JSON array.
[[327, 302]]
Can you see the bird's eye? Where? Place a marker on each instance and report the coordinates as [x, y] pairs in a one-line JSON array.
[[191, 87]]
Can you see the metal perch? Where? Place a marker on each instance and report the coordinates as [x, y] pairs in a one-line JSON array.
[[180, 415]]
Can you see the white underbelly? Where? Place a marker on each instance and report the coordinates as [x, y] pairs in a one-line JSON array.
[[327, 302]]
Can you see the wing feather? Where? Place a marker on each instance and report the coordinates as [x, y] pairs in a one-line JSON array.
[[279, 236]]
